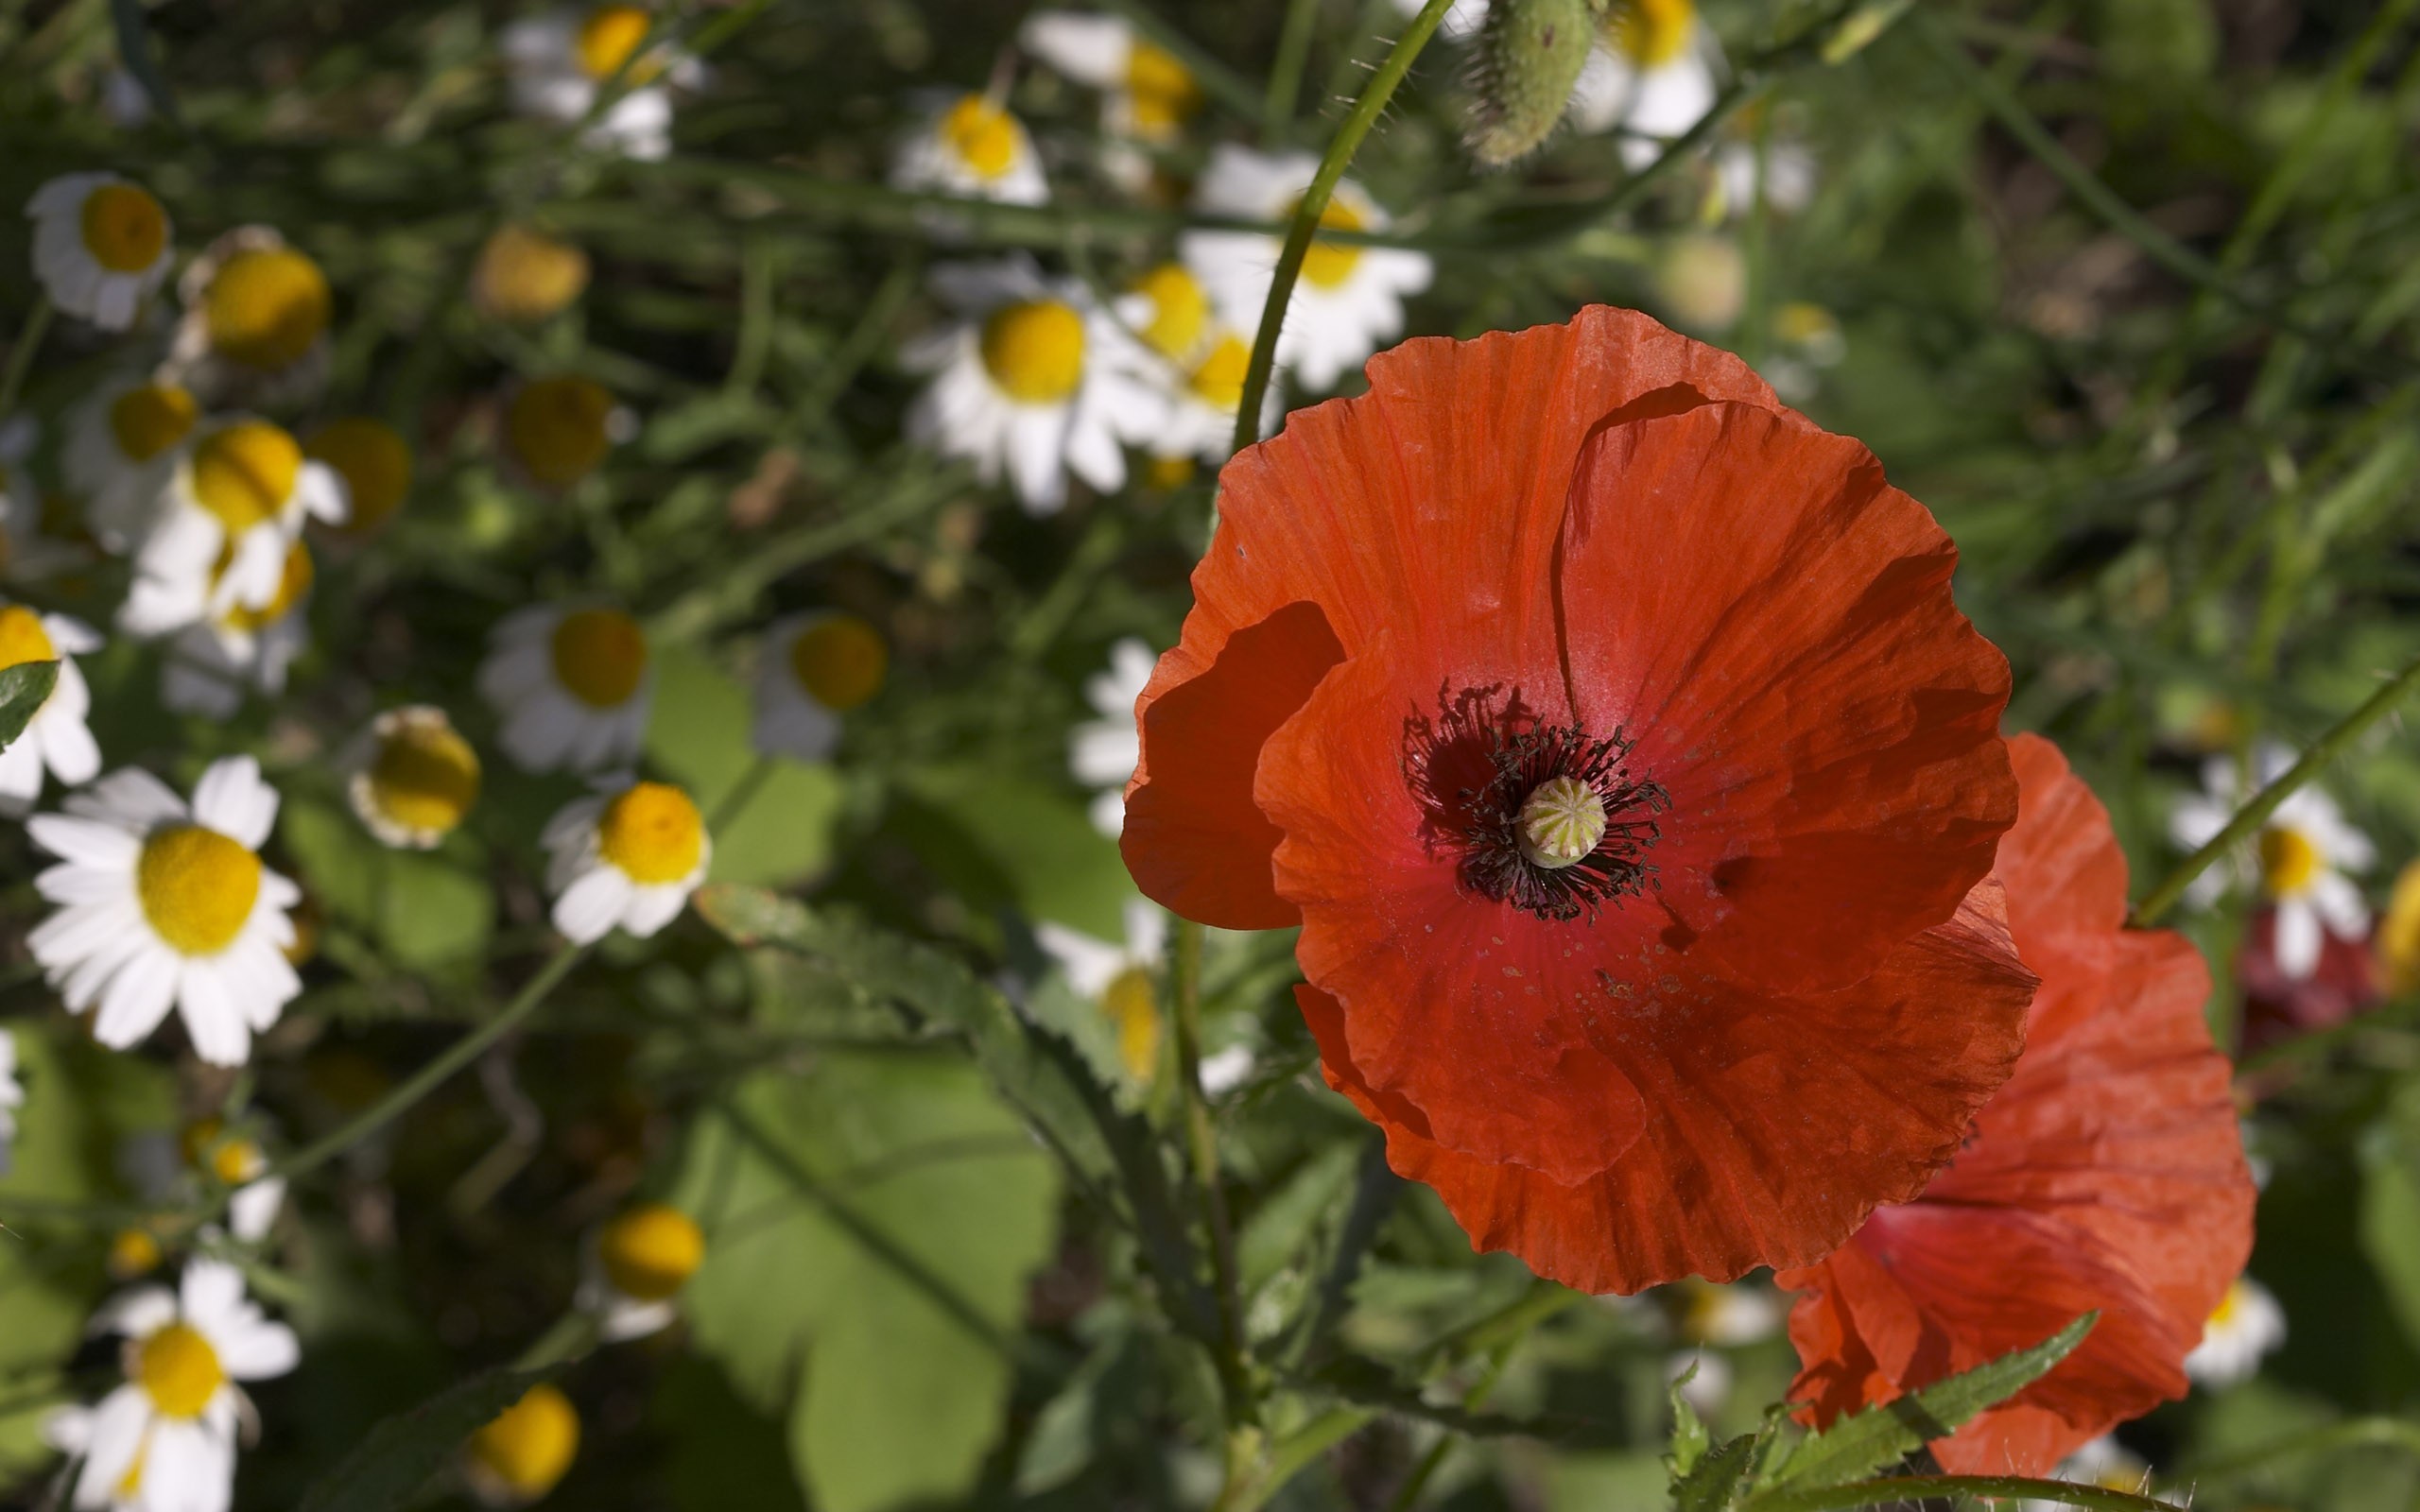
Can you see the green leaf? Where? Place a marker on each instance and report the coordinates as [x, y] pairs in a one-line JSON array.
[[890, 1179], [1005, 840], [2389, 1209], [1690, 1440], [1886, 1433], [1713, 1482], [404, 1454], [22, 688], [424, 909], [699, 733], [1284, 1223]]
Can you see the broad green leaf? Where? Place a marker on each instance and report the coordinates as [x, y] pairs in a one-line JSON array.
[[22, 688], [1040, 1073], [2390, 1210], [699, 733], [992, 834], [1886, 1433], [1713, 1483], [893, 1396], [423, 909], [400, 1456], [1277, 1233]]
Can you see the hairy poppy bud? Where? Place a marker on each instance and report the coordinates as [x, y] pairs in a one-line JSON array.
[[1527, 59]]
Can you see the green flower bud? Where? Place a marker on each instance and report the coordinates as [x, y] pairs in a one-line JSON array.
[[1526, 59]]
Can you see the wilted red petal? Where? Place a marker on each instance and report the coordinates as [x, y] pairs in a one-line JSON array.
[[1770, 1121], [1415, 506], [2108, 1174]]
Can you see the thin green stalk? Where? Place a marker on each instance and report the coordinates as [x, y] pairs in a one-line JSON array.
[[573, 1335], [429, 1077], [1285, 71], [1305, 221], [1915, 1488], [728, 807], [1292, 1454], [21, 357], [1202, 1145], [2249, 819]]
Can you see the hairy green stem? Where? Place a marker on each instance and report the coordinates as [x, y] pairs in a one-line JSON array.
[[1305, 221], [429, 1077], [1202, 1146], [2249, 819], [21, 357], [1915, 1488]]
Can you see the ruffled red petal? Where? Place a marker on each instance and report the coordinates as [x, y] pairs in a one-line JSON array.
[[2108, 1174], [1771, 1124], [1430, 505]]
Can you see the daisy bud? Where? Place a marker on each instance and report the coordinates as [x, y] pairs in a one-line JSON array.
[[1522, 71], [267, 307], [413, 778], [133, 1252], [560, 429], [524, 276], [650, 1252], [518, 1457], [375, 462]]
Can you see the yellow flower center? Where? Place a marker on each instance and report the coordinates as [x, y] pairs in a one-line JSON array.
[[266, 306], [196, 888], [600, 655], [1179, 309], [125, 229], [2288, 862], [1562, 821], [375, 462], [1133, 1008], [607, 38], [981, 135], [650, 1251], [2398, 937], [147, 421], [23, 638], [1035, 351], [178, 1370], [1800, 323], [133, 1252], [1168, 472], [1328, 264], [1163, 89], [524, 276], [424, 776], [839, 661], [233, 1161], [244, 473], [652, 834], [292, 584], [2228, 1306], [532, 1443], [1651, 33], [1219, 380], [558, 428]]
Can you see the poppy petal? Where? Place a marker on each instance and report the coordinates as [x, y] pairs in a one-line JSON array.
[[2108, 1176], [1772, 623], [1737, 1166], [1414, 504]]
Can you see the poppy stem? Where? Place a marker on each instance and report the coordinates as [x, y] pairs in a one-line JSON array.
[[1305, 222], [1201, 1144], [2249, 819], [1911, 1490]]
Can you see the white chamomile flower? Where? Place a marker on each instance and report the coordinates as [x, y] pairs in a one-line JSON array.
[[814, 668], [162, 905], [1462, 19], [411, 776], [1788, 173], [237, 1162], [1349, 299], [56, 737], [2300, 862], [1034, 380], [571, 687], [122, 447], [210, 664], [1103, 753], [1117, 976], [630, 856], [637, 1266], [235, 506], [1204, 362], [1223, 1071], [561, 59], [255, 327], [969, 145], [2247, 1325], [101, 246], [1729, 1315], [1653, 78], [1147, 95], [165, 1440]]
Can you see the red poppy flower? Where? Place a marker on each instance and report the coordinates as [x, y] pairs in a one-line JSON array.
[[2277, 1007], [2108, 1174], [1610, 732]]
